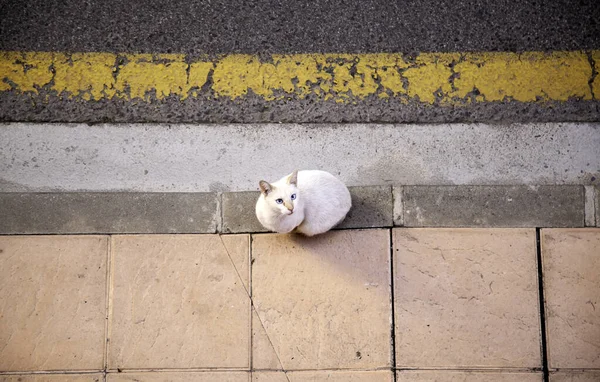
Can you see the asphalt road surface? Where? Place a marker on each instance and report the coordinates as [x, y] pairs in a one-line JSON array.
[[211, 30]]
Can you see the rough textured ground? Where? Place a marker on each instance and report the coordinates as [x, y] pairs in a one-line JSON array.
[[272, 26], [353, 305]]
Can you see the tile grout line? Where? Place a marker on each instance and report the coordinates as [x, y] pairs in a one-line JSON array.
[[393, 311], [475, 369], [542, 306], [250, 320], [392, 292], [52, 372], [243, 370], [110, 303], [181, 370], [107, 302]]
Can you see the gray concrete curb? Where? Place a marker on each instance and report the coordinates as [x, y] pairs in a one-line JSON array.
[[92, 212], [591, 205], [373, 206], [494, 206]]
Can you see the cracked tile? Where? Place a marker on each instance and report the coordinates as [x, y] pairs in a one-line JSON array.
[[571, 259], [178, 302], [52, 302], [324, 301], [466, 298], [265, 357]]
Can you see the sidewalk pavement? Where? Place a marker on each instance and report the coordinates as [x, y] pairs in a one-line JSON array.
[[428, 304]]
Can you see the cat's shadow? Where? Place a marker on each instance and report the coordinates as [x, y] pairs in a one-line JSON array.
[[359, 256]]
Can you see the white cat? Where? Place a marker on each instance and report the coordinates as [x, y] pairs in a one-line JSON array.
[[312, 202]]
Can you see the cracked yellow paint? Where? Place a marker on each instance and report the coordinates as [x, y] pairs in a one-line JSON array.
[[430, 78], [524, 77], [198, 75], [236, 74], [141, 75], [25, 72], [84, 75], [298, 74], [596, 82]]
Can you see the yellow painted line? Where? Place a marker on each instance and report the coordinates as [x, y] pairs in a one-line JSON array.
[[443, 78], [596, 81]]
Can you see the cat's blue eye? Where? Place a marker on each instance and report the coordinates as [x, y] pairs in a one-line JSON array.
[[279, 201], [293, 197]]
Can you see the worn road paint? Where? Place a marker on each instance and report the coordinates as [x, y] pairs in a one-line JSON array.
[[430, 78]]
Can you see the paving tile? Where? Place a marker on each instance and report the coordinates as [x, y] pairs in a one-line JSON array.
[[372, 207], [324, 301], [178, 302], [205, 376], [52, 378], [323, 376], [239, 213], [108, 212], [466, 376], [493, 206], [571, 259], [575, 376], [466, 298], [52, 302]]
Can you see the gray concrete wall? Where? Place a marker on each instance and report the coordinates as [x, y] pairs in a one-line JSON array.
[[201, 158]]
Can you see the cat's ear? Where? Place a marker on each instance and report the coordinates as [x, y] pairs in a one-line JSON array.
[[293, 178], [265, 187]]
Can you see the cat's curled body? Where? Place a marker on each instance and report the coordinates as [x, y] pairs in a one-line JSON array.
[[309, 201]]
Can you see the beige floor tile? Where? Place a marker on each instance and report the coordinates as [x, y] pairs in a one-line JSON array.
[[53, 378], [323, 376], [571, 259], [466, 376], [206, 376], [575, 376], [466, 297], [178, 302], [52, 302], [324, 301]]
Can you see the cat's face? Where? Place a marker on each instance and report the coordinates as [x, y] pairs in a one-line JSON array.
[[283, 199], [281, 196]]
